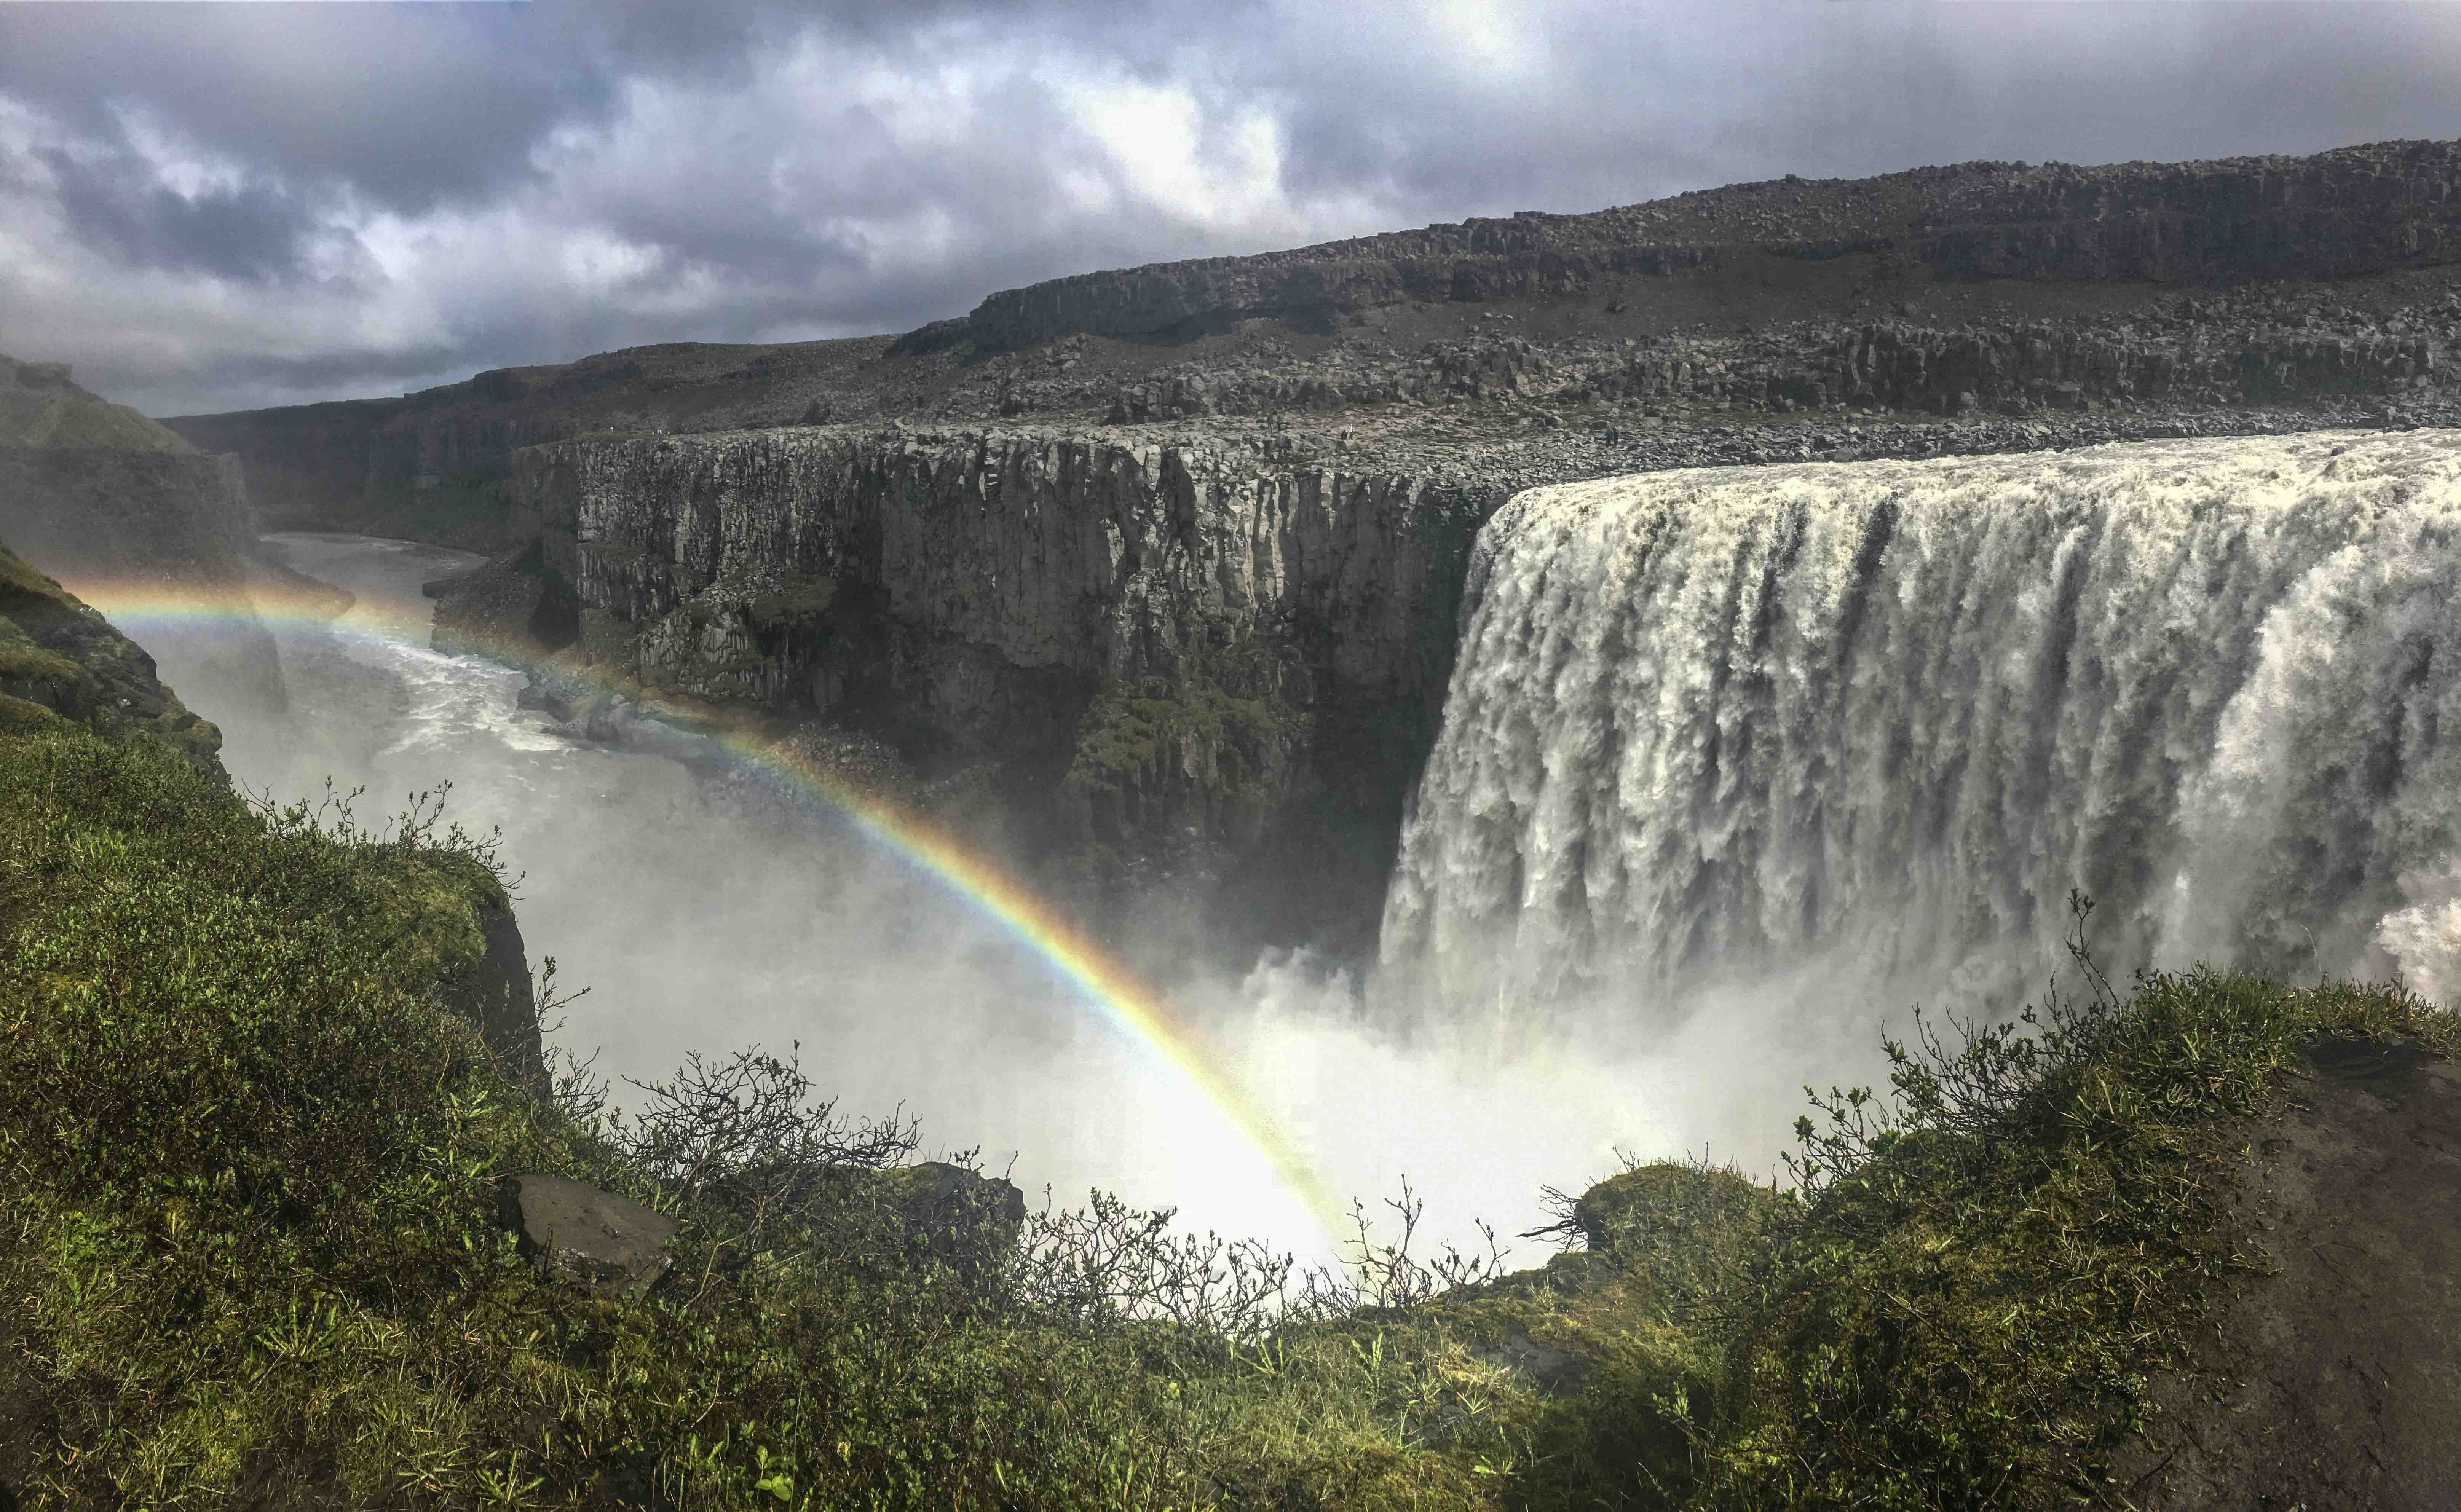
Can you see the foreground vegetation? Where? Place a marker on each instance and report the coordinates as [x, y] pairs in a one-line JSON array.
[[250, 1250]]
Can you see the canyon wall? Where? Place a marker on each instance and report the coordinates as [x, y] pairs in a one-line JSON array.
[[2357, 210], [138, 521], [2009, 288], [1191, 673]]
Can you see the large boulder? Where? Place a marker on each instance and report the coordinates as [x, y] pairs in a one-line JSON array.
[[572, 1230], [518, 607]]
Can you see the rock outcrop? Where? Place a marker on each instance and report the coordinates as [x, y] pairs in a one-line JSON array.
[[495, 992], [2358, 210], [62, 662], [970, 1221], [1172, 659], [131, 515]]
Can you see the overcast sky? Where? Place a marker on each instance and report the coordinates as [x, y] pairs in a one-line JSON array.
[[209, 205]]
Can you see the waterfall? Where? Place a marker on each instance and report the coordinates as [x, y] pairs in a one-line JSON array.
[[1863, 725]]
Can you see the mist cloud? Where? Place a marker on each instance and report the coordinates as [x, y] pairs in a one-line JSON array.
[[210, 206]]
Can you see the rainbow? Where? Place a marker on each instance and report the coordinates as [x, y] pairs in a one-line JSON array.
[[1131, 1007]]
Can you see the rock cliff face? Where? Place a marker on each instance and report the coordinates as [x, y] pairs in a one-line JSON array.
[[1175, 664], [60, 662], [2358, 210], [130, 515]]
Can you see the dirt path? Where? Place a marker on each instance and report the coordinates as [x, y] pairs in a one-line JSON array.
[[2339, 1376]]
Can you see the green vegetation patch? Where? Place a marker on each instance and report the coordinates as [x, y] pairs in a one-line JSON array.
[[76, 418], [789, 596], [1225, 709], [253, 1242], [1990, 1273], [59, 654]]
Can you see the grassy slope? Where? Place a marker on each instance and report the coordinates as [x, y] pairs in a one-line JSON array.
[[62, 664], [247, 1166], [44, 411]]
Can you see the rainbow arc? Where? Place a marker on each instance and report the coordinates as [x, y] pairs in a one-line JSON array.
[[1112, 989]]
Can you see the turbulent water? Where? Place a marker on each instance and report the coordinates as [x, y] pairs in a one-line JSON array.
[[706, 915], [1852, 732]]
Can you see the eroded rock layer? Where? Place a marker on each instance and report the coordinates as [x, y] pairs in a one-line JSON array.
[[1171, 661]]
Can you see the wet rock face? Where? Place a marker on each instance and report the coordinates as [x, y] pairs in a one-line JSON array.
[[496, 994], [1171, 656]]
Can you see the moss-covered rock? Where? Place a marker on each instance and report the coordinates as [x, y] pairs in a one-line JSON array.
[[60, 656]]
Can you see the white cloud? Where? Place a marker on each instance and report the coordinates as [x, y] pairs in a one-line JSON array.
[[531, 188]]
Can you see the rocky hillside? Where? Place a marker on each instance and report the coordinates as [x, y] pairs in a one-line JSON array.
[[64, 668], [2000, 288], [1167, 553], [130, 513], [62, 664], [92, 487], [2361, 210]]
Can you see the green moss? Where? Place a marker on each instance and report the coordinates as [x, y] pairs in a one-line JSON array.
[[1971, 1312], [58, 419], [56, 652], [19, 717], [22, 661], [614, 553], [792, 596], [1224, 710]]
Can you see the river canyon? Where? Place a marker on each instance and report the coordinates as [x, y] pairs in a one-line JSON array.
[[1736, 768]]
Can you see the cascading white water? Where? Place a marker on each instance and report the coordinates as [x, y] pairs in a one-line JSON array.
[[1867, 724]]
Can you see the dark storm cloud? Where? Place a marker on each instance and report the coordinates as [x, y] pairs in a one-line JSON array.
[[355, 197], [409, 104], [254, 233]]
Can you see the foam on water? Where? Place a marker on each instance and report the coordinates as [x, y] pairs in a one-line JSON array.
[[1832, 739]]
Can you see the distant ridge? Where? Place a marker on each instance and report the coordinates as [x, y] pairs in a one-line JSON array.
[[2358, 209]]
